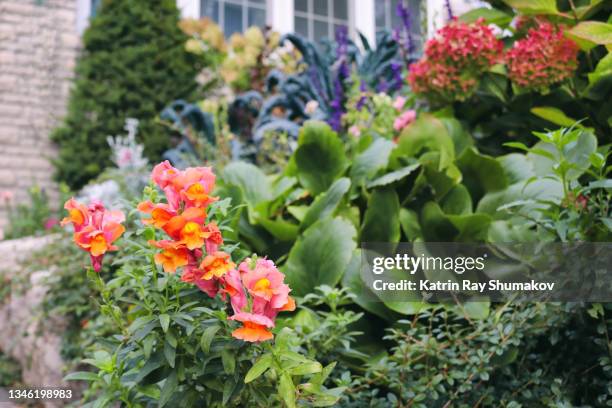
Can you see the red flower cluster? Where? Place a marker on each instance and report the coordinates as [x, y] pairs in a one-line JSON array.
[[454, 60], [543, 58], [194, 245], [95, 228]]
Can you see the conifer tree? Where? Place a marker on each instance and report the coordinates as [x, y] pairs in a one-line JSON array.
[[133, 63]]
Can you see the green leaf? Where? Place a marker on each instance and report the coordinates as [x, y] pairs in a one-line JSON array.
[[320, 157], [381, 219], [353, 281], [409, 221], [82, 376], [534, 6], [602, 70], [325, 204], [320, 255], [207, 337], [298, 211], [286, 390], [311, 367], [553, 115], [481, 173], [260, 367], [164, 320], [457, 201], [516, 167], [168, 388], [490, 15], [169, 353], [371, 160], [426, 134], [588, 34], [250, 179], [279, 228], [393, 176], [229, 361]]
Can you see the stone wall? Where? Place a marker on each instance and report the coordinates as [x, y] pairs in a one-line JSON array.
[[38, 49]]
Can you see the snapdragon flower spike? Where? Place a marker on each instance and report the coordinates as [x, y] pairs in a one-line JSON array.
[[257, 294], [95, 228], [183, 217]]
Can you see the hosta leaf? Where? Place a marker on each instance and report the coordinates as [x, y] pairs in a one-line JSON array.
[[320, 157], [325, 204], [371, 160], [381, 219], [320, 255]]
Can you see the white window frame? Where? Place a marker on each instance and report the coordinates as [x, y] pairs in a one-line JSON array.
[[330, 20], [244, 4], [280, 14]]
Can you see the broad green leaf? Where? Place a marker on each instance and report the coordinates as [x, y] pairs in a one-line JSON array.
[[476, 309], [490, 15], [553, 115], [298, 211], [393, 176], [228, 390], [407, 308], [320, 255], [457, 201], [516, 167], [426, 134], [286, 390], [229, 361], [381, 219], [370, 161], [481, 173], [534, 6], [409, 221], [540, 189], [260, 367], [588, 34], [352, 280], [320, 157], [207, 337], [164, 320], [603, 69], [325, 205], [279, 228], [250, 179], [168, 388]]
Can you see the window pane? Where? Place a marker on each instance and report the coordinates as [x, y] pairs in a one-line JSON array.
[[257, 1], [380, 9], [341, 9], [301, 5], [395, 18], [320, 30], [257, 17], [320, 7], [210, 8], [233, 19], [301, 26]]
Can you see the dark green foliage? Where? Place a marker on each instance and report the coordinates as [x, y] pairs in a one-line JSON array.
[[133, 63]]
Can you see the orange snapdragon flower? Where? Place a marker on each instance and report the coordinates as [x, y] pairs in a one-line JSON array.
[[255, 327], [216, 265], [95, 228]]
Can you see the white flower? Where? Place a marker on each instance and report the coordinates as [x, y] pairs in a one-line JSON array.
[[311, 107]]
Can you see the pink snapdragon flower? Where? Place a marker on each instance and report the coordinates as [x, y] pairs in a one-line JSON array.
[[404, 120]]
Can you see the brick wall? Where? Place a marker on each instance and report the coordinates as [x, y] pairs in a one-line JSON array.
[[38, 47]]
